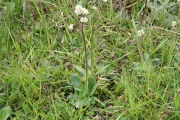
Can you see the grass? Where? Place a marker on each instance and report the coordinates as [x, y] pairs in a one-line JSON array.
[[38, 54]]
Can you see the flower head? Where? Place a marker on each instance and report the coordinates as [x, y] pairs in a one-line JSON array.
[[79, 10], [173, 23], [94, 8], [62, 14], [105, 0], [85, 11], [84, 20], [71, 26], [140, 33]]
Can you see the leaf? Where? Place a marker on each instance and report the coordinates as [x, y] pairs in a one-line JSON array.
[[136, 66], [1, 88], [177, 60], [147, 60], [177, 56], [122, 118], [79, 3], [75, 82], [78, 104], [159, 46], [80, 69], [91, 85], [5, 113], [86, 101], [83, 102], [102, 69], [10, 8]]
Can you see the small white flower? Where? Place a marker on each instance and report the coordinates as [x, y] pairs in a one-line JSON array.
[[173, 23], [140, 33], [71, 26], [62, 14], [94, 8], [84, 20], [79, 10], [105, 0], [85, 11]]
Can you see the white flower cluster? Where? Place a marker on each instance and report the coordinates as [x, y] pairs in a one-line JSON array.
[[140, 33], [94, 8], [79, 10], [105, 0], [173, 24], [71, 26], [84, 20]]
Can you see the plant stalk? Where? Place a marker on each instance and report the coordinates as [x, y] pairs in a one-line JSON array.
[[144, 11], [140, 48], [92, 48], [86, 56]]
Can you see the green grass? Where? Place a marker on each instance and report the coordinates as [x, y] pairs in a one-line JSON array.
[[38, 54]]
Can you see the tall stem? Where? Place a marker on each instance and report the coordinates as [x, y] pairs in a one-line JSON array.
[[92, 48], [140, 48], [86, 56], [144, 11]]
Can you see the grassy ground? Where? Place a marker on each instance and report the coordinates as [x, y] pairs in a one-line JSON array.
[[39, 53]]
